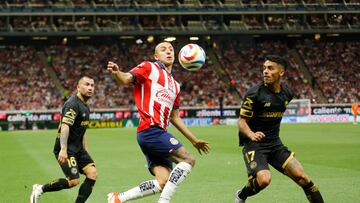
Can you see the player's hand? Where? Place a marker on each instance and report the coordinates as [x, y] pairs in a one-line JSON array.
[[202, 146], [63, 156], [256, 137], [112, 67]]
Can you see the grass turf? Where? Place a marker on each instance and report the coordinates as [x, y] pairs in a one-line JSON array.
[[330, 154]]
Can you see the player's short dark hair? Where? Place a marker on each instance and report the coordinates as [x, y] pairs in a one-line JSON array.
[[277, 59], [85, 76]]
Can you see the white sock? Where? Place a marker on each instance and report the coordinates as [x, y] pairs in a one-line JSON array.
[[177, 175], [144, 189]]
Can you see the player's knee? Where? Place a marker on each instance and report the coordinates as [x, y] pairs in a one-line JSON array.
[[92, 175], [191, 160], [162, 182], [74, 182], [264, 180], [302, 179]]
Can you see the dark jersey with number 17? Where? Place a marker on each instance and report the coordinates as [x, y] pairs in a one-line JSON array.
[[264, 109], [74, 113]]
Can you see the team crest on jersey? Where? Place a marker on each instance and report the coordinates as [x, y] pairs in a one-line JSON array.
[[84, 114], [174, 141], [74, 170], [253, 165]]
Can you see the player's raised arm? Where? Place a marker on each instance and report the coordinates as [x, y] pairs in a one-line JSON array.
[[122, 78], [200, 145], [245, 130]]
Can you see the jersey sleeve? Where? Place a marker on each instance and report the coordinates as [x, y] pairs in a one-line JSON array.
[[141, 72], [247, 106], [69, 113], [289, 93]]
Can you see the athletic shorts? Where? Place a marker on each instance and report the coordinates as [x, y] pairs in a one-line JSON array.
[[76, 164], [257, 157], [157, 144]]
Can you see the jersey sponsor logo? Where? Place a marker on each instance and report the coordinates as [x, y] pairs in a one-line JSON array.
[[174, 141], [248, 103], [165, 97], [84, 123], [276, 114]]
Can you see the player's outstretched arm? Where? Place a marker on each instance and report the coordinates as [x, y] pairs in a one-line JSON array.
[[245, 130], [201, 145], [122, 78]]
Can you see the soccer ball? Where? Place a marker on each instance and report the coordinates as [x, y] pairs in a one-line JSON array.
[[192, 57]]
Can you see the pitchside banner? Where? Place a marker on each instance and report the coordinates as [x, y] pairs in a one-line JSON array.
[[192, 117], [331, 110]]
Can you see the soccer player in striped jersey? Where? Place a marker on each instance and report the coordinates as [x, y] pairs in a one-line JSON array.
[[156, 95]]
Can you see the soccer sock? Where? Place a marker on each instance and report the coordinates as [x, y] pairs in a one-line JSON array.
[[177, 175], [85, 190], [313, 193], [144, 189], [56, 185], [250, 189]]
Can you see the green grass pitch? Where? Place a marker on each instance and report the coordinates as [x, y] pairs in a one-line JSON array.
[[330, 154]]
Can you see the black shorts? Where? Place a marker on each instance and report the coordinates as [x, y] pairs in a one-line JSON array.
[[258, 156], [76, 164]]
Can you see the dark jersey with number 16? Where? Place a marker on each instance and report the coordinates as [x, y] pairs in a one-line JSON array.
[[75, 113], [264, 109]]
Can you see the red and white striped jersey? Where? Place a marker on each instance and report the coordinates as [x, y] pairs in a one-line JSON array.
[[156, 93]]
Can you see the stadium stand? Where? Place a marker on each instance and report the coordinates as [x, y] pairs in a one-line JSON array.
[[324, 69], [244, 66], [335, 68], [24, 82]]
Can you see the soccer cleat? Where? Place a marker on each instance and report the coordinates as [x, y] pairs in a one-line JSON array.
[[113, 197], [237, 198], [36, 193]]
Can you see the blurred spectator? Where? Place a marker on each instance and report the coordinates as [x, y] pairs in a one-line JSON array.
[[244, 66], [335, 66], [25, 83]]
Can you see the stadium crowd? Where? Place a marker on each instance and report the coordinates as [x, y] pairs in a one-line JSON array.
[[91, 60], [244, 66], [169, 3], [25, 83], [335, 68], [171, 22]]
